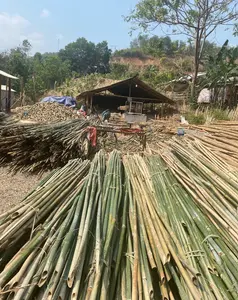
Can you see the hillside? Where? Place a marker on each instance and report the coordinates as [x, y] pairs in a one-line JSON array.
[[177, 63], [136, 61]]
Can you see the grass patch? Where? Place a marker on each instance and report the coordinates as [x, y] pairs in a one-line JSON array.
[[219, 114], [196, 118]]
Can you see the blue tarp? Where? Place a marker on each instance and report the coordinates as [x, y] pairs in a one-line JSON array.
[[66, 100]]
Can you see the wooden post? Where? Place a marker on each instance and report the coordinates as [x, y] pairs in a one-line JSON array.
[[8, 108], [130, 90], [22, 96], [91, 104], [6, 95], [130, 106], [0, 92], [162, 111]]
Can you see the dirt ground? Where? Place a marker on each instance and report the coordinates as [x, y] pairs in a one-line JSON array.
[[14, 187]]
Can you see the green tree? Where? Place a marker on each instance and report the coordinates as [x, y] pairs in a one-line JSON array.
[[103, 55], [18, 61], [20, 64], [196, 19], [48, 71], [220, 70], [4, 61], [54, 71], [119, 71], [158, 46], [86, 57]]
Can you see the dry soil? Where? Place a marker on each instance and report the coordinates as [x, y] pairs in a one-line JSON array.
[[14, 187]]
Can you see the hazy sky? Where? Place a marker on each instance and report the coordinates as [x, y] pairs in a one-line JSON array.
[[45, 23]]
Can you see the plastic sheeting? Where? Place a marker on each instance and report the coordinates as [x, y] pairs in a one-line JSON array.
[[204, 96], [66, 100]]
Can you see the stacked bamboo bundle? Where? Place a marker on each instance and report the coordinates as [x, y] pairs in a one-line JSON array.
[[6, 120], [212, 182], [188, 249], [221, 138], [36, 148], [127, 228], [45, 112], [3, 116]]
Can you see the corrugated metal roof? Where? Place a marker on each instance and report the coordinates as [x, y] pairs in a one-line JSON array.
[[4, 88], [7, 75], [139, 89]]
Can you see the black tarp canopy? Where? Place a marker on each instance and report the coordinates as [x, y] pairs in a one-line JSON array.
[[132, 87]]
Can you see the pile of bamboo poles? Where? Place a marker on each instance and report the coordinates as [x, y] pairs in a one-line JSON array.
[[3, 116], [221, 138], [6, 120], [45, 112], [192, 251], [211, 181], [129, 227], [36, 148]]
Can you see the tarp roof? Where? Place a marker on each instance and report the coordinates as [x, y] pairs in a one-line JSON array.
[[139, 89], [7, 75]]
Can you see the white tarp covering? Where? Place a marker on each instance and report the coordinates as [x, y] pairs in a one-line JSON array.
[[204, 96]]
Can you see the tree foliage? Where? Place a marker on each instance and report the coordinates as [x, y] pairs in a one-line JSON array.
[[197, 19], [47, 71], [144, 46], [86, 57], [19, 62], [158, 46], [42, 72], [222, 69]]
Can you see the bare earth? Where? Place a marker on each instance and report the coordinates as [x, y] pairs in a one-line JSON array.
[[13, 188]]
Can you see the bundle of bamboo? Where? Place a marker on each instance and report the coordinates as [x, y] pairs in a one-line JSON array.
[[45, 112], [36, 148], [125, 229], [187, 247], [6, 119], [222, 138], [212, 182], [3, 116]]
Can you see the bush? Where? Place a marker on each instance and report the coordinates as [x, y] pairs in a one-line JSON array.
[[196, 118], [130, 53], [199, 117], [219, 114], [119, 71]]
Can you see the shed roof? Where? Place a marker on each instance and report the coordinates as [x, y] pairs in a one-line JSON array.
[[7, 75], [139, 89]]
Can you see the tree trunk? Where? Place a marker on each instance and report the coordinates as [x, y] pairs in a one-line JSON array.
[[196, 65], [193, 100], [193, 87]]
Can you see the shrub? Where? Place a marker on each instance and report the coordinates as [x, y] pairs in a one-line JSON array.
[[220, 114], [196, 118]]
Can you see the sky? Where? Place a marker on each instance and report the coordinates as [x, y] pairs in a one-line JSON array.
[[49, 25]]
